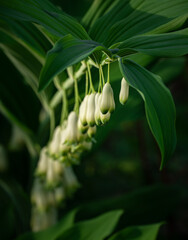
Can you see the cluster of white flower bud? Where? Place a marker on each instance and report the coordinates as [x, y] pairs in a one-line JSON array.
[[54, 182], [56, 179], [68, 142], [95, 110]]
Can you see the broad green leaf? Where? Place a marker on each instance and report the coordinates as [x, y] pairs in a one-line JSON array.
[[26, 63], [173, 44], [44, 13], [129, 18], [97, 228], [17, 99], [66, 52], [97, 9], [52, 232], [147, 232], [159, 105], [28, 35]]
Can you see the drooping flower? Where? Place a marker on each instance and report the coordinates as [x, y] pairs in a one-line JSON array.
[[124, 91]]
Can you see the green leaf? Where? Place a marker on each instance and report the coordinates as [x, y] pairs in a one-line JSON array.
[[66, 52], [27, 35], [52, 232], [26, 63], [97, 9], [44, 13], [147, 232], [129, 18], [17, 99], [159, 105], [97, 228], [173, 44]]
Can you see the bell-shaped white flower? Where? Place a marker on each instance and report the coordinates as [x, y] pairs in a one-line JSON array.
[[83, 111], [58, 168], [90, 115], [124, 92], [64, 149], [83, 129], [86, 145], [59, 193], [55, 143], [105, 117], [72, 128], [92, 131], [38, 195], [50, 175], [107, 102], [97, 109], [43, 162]]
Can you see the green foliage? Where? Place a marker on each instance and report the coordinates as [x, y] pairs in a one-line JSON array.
[[160, 116], [53, 232], [168, 45], [44, 13], [148, 232], [97, 228], [66, 52]]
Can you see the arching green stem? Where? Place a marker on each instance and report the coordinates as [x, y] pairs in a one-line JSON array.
[[64, 111], [76, 105], [90, 79], [52, 122], [86, 89], [108, 80]]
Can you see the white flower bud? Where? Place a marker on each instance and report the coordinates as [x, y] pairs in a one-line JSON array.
[[90, 115], [124, 92], [58, 168], [97, 109], [86, 146], [107, 100], [72, 128], [64, 149], [92, 131], [105, 117], [38, 196], [59, 194], [42, 163], [83, 129], [83, 111], [112, 107], [55, 143], [50, 175]]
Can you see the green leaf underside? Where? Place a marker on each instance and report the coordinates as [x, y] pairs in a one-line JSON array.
[[159, 105], [66, 52], [146, 232], [52, 232], [44, 13], [167, 45], [129, 18], [97, 228]]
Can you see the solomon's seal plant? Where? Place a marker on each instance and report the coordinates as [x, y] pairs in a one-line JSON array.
[[75, 66]]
